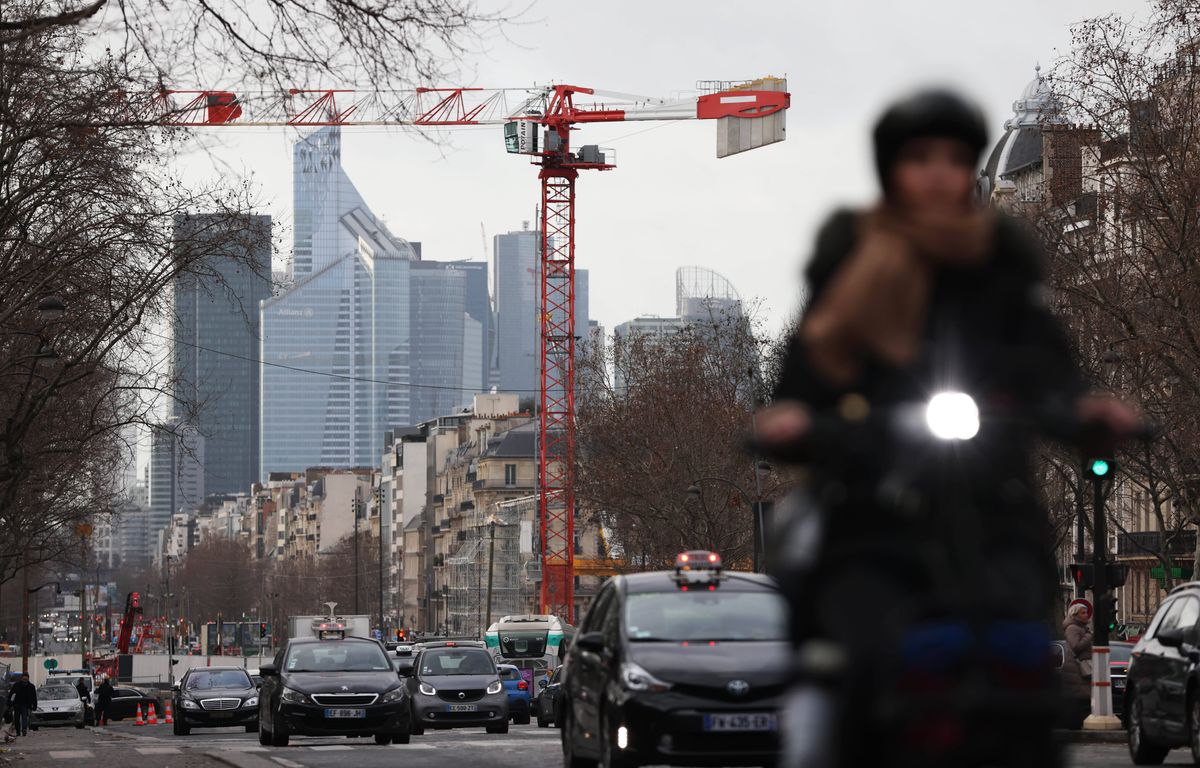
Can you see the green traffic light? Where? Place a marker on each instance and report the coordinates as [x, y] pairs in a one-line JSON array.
[[1099, 467]]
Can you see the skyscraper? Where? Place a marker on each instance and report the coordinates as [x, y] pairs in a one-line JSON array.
[[215, 344], [177, 459], [517, 296]]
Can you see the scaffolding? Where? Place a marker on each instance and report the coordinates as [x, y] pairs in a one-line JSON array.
[[515, 567]]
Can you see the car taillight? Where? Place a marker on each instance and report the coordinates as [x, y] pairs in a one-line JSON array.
[[523, 686]]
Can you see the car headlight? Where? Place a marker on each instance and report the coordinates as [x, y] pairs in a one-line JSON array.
[[250, 702], [634, 678], [392, 696], [427, 689], [292, 696], [190, 704], [495, 687]]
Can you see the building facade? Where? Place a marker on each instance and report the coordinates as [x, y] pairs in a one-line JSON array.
[[215, 345]]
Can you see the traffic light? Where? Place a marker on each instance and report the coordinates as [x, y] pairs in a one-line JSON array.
[[262, 630], [1083, 575], [1116, 574], [1109, 601]]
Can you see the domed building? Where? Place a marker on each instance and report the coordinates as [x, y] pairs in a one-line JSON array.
[[1039, 153]]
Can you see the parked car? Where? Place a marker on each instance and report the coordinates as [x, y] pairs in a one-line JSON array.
[[1161, 704], [546, 703], [57, 705], [1119, 654], [520, 702], [126, 700]]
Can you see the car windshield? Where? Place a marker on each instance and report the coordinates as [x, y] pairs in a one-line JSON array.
[[457, 661], [337, 656], [721, 615], [221, 678], [510, 673], [58, 692]]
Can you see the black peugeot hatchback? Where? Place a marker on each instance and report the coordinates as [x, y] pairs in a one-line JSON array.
[[332, 687], [683, 667]]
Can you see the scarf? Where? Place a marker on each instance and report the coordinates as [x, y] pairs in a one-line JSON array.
[[876, 304]]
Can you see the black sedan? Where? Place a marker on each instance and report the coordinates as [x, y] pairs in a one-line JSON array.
[[332, 687], [125, 703], [684, 667], [547, 701], [215, 697], [457, 686]]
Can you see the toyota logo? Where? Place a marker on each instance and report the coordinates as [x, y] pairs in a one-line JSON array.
[[462, 695], [738, 687]]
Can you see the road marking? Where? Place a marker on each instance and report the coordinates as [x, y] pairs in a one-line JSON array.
[[287, 763], [235, 747], [156, 750], [331, 748], [71, 754]]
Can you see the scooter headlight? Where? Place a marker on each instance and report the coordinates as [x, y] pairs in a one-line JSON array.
[[952, 416]]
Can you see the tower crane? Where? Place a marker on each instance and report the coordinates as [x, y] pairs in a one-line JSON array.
[[537, 122]]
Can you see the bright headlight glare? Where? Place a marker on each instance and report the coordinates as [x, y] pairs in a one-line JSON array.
[[495, 687], [428, 689], [952, 416]]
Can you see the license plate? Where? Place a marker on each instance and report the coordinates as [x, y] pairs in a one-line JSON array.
[[462, 707], [752, 721], [219, 715], [345, 713]]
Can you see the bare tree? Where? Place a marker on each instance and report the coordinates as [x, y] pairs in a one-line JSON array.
[[661, 415]]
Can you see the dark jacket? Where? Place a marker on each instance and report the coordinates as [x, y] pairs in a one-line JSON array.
[[988, 333], [23, 695], [1078, 635], [84, 695], [104, 695]]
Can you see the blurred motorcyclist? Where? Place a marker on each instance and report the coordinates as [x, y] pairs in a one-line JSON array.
[[926, 291]]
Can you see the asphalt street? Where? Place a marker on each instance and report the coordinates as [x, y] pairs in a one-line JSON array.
[[524, 746]]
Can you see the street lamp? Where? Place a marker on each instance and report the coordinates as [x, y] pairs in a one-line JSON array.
[[757, 502]]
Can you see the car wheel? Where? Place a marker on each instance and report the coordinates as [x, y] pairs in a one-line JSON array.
[[415, 727], [610, 755], [521, 719], [279, 736], [1194, 725], [498, 728], [180, 729], [401, 738], [264, 736], [541, 721], [1141, 751], [383, 739], [570, 759]]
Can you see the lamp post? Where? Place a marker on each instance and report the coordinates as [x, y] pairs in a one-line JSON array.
[[25, 639]]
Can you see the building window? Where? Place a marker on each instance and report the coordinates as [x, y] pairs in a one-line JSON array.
[[510, 474]]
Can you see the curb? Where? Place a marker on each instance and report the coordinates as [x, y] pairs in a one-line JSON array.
[[240, 759], [1090, 737]]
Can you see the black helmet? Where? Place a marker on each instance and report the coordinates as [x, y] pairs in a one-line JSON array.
[[926, 113]]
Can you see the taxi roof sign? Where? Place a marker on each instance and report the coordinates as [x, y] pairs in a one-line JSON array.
[[698, 567]]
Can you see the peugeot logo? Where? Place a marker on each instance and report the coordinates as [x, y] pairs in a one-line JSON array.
[[462, 695], [738, 687], [345, 687]]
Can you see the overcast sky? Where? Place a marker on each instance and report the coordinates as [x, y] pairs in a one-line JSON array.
[[671, 203]]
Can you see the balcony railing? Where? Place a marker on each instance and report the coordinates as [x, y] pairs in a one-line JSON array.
[[1148, 543]]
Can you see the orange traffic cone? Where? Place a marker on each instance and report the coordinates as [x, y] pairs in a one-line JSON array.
[[169, 719], [139, 720], [152, 714]]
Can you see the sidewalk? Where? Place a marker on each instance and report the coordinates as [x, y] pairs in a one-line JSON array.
[[64, 747]]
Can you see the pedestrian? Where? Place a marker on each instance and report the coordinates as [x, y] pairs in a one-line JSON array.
[[1077, 631], [104, 696], [23, 699]]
